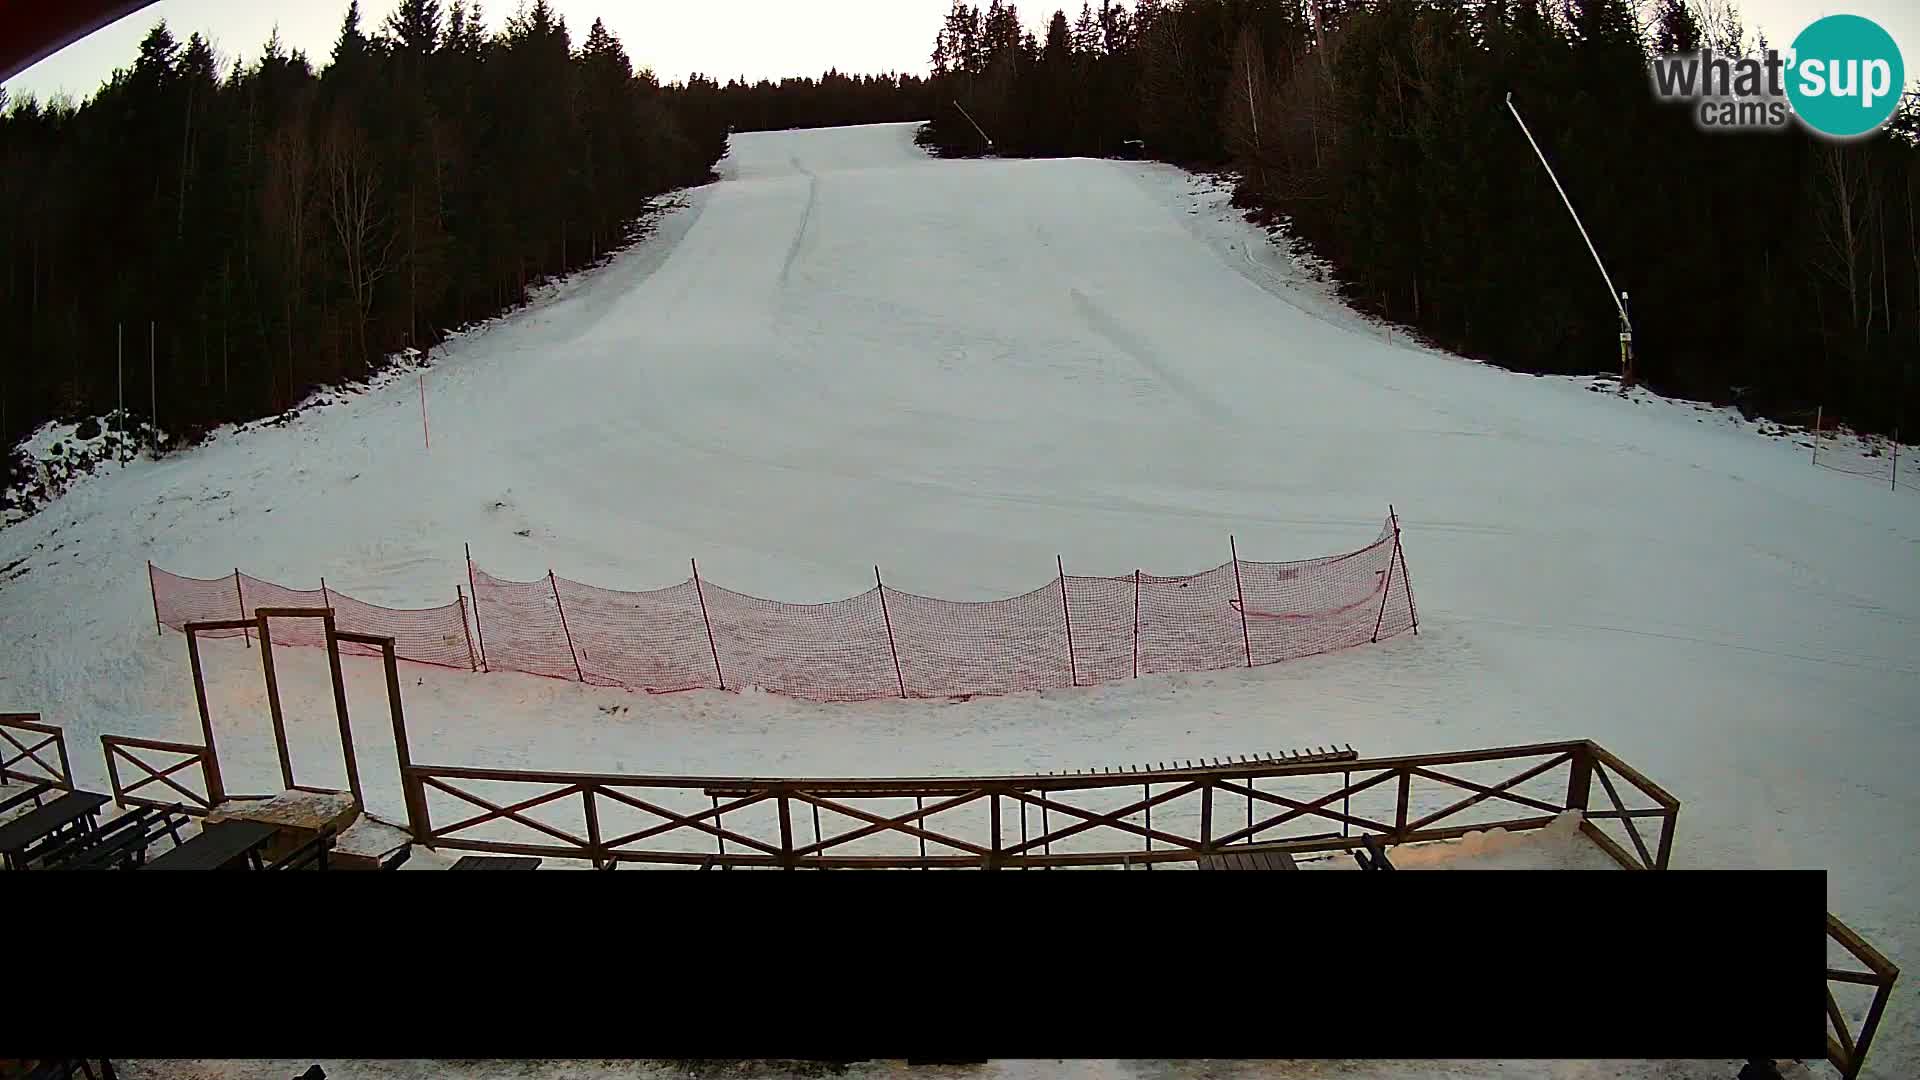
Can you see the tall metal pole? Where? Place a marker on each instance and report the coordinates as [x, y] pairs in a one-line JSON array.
[[1619, 298], [976, 126]]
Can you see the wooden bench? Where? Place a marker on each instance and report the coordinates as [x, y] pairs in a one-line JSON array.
[[119, 844], [487, 862], [1248, 860], [31, 835], [221, 845]]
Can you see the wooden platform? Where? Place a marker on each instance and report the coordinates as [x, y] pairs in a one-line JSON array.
[[1248, 860]]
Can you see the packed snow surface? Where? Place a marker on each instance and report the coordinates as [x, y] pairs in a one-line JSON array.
[[847, 353]]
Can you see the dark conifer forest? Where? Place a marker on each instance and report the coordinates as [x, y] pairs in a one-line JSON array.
[[286, 221], [280, 222], [1775, 270]]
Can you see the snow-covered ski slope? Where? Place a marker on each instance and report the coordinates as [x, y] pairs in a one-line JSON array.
[[848, 353]]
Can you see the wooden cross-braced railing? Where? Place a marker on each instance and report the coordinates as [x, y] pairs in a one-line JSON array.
[[1846, 1047], [151, 770], [1165, 815], [33, 752]]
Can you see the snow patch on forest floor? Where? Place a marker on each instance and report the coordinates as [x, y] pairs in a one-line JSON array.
[[60, 454]]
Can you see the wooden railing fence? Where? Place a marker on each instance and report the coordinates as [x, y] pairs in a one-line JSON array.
[[1847, 1047], [978, 814], [120, 749], [23, 755]]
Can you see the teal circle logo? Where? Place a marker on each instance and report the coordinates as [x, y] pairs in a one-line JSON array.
[[1846, 76]]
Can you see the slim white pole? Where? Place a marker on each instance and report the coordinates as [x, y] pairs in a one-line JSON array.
[[120, 374], [1618, 298], [976, 126]]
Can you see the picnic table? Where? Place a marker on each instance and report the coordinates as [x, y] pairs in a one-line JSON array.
[[219, 846], [484, 862], [76, 811]]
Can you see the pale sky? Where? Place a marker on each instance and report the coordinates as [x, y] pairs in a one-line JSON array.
[[722, 38]]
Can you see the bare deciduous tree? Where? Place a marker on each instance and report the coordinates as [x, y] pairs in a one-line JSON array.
[[360, 228], [285, 205]]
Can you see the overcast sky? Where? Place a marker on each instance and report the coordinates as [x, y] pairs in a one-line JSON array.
[[722, 38]]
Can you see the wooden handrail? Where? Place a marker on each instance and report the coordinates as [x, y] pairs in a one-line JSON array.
[[1029, 782], [61, 777], [1007, 799], [1847, 1050], [119, 747]]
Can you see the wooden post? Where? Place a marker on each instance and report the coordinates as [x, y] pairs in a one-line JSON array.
[[1206, 818], [711, 647], [1580, 779], [339, 707], [592, 816], [1400, 809], [1073, 669], [461, 599], [242, 600], [1406, 580], [1253, 784], [1241, 596], [1146, 796], [891, 648], [1893, 482], [1136, 624], [212, 766], [1819, 413], [554, 584], [324, 601], [113, 773], [476, 608], [1387, 591], [993, 857], [154, 591], [273, 703], [411, 789], [786, 833]]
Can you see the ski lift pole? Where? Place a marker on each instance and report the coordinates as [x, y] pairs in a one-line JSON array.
[[976, 126], [1619, 298]]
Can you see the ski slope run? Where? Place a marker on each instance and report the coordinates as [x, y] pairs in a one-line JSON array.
[[847, 353]]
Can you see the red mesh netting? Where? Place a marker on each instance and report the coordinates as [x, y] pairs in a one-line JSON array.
[[426, 635], [827, 652], [178, 600], [995, 647], [520, 627], [645, 640], [1875, 456], [1073, 630]]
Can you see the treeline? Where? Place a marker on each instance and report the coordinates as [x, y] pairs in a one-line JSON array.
[[833, 100], [1774, 270], [282, 227]]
